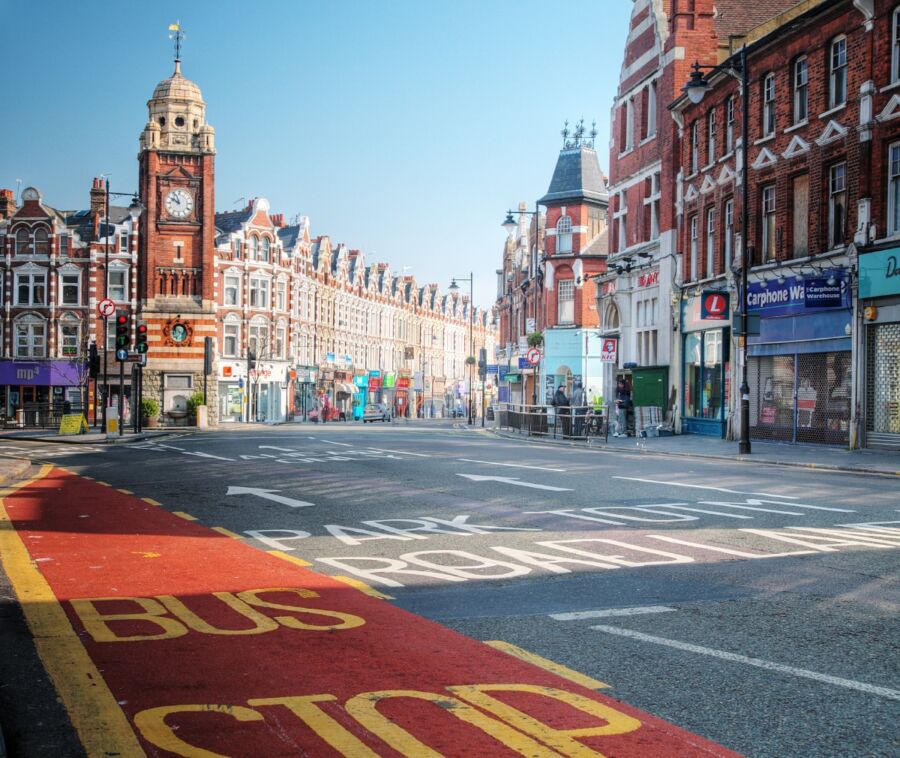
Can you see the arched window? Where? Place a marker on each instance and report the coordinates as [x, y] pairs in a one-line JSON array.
[[265, 250], [31, 337], [41, 242], [23, 242], [254, 248], [564, 235], [611, 317], [837, 73]]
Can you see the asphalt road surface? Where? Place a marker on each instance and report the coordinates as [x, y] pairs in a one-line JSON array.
[[755, 606]]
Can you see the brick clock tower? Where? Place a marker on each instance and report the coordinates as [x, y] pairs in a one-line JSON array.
[[176, 278]]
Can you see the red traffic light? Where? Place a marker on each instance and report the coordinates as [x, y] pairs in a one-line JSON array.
[[122, 319], [142, 329]]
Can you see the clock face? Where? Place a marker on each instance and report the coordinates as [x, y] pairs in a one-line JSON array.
[[179, 203]]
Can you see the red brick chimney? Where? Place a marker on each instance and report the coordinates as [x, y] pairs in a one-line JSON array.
[[7, 204], [98, 197]]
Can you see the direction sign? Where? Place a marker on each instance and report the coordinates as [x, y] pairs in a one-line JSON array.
[[533, 356], [122, 354], [106, 307]]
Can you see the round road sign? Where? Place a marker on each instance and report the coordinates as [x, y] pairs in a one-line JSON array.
[[106, 307], [533, 356]]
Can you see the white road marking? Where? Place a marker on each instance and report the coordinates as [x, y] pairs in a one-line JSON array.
[[399, 452], [579, 615], [210, 455], [513, 480], [702, 487], [750, 508], [511, 465], [268, 495], [710, 513], [869, 689], [727, 551], [342, 444]]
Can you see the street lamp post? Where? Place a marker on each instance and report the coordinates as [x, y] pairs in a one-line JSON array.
[[510, 225], [454, 288], [696, 88], [134, 210]]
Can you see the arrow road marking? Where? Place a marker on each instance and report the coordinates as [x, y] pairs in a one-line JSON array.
[[513, 480], [268, 495]]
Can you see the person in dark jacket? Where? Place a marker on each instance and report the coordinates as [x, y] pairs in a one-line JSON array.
[[623, 404], [563, 411]]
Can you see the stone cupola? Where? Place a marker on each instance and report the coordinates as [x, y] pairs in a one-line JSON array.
[[177, 118]]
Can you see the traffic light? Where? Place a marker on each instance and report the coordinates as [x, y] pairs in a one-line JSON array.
[[482, 364], [141, 340], [93, 361], [123, 330], [251, 360]]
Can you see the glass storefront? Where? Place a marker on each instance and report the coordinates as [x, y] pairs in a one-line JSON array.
[[706, 365]]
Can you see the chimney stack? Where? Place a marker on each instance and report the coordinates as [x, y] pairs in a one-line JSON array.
[[7, 204], [98, 197]]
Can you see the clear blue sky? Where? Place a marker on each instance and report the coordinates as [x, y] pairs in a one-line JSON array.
[[404, 129]]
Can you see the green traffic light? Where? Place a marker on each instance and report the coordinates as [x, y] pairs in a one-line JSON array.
[[142, 347]]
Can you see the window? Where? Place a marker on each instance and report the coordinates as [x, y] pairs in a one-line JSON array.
[[768, 105], [767, 237], [566, 289], [232, 289], [231, 339], [70, 289], [894, 189], [117, 284], [728, 234], [622, 218], [837, 80], [264, 255], [651, 206], [31, 289], [651, 109], [729, 125], [123, 242], [280, 332], [281, 294], [237, 250], [23, 242], [564, 235], [259, 337], [254, 248], [711, 137], [259, 292], [41, 242], [837, 204], [710, 241], [895, 46], [64, 245], [695, 148], [800, 216], [801, 90], [31, 338], [693, 248], [629, 124], [69, 338]]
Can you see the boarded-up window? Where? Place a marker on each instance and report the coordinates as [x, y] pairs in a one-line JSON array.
[[801, 216]]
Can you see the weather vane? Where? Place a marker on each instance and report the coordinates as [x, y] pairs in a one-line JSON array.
[[177, 35]]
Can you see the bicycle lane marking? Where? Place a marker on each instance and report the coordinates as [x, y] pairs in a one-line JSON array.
[[209, 647]]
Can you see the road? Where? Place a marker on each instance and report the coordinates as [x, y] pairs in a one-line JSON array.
[[755, 606]]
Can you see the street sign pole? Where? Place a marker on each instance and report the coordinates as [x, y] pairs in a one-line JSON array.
[[121, 396], [105, 399]]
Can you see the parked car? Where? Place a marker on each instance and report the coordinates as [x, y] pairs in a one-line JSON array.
[[376, 412], [457, 412]]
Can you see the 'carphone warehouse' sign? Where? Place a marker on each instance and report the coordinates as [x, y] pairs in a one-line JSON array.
[[798, 295]]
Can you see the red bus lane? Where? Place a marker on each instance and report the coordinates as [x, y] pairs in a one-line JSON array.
[[166, 637]]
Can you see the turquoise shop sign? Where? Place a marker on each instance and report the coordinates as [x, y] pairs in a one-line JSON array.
[[879, 273]]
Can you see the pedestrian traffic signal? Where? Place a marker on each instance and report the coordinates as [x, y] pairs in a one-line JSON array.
[[123, 331], [141, 340], [93, 361]]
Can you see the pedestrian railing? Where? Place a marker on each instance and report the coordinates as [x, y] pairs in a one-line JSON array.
[[575, 422]]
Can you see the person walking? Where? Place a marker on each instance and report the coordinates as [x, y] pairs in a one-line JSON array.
[[623, 404], [562, 409]]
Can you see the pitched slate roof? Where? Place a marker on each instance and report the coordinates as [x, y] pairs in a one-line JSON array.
[[231, 221], [577, 176], [289, 236]]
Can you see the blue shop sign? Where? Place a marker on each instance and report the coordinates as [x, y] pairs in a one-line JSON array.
[[879, 273], [523, 363], [502, 371], [798, 295], [492, 368]]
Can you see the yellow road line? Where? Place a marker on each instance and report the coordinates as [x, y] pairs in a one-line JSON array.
[[101, 725], [226, 532], [151, 501], [363, 587], [287, 557], [105, 484], [556, 668], [185, 516], [126, 492]]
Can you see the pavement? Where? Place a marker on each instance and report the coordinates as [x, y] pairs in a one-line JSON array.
[[883, 462]]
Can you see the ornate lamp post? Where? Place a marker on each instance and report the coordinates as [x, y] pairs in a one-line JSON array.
[[454, 288]]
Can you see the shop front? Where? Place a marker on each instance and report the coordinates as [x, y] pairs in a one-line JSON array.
[[30, 391], [879, 300], [304, 388], [232, 378], [402, 395], [360, 391], [568, 353], [705, 363], [799, 365], [269, 383]]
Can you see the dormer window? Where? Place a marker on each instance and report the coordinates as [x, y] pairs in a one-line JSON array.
[[564, 235]]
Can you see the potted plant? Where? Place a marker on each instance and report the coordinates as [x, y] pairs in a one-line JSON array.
[[535, 339], [470, 360], [149, 412], [193, 403]]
